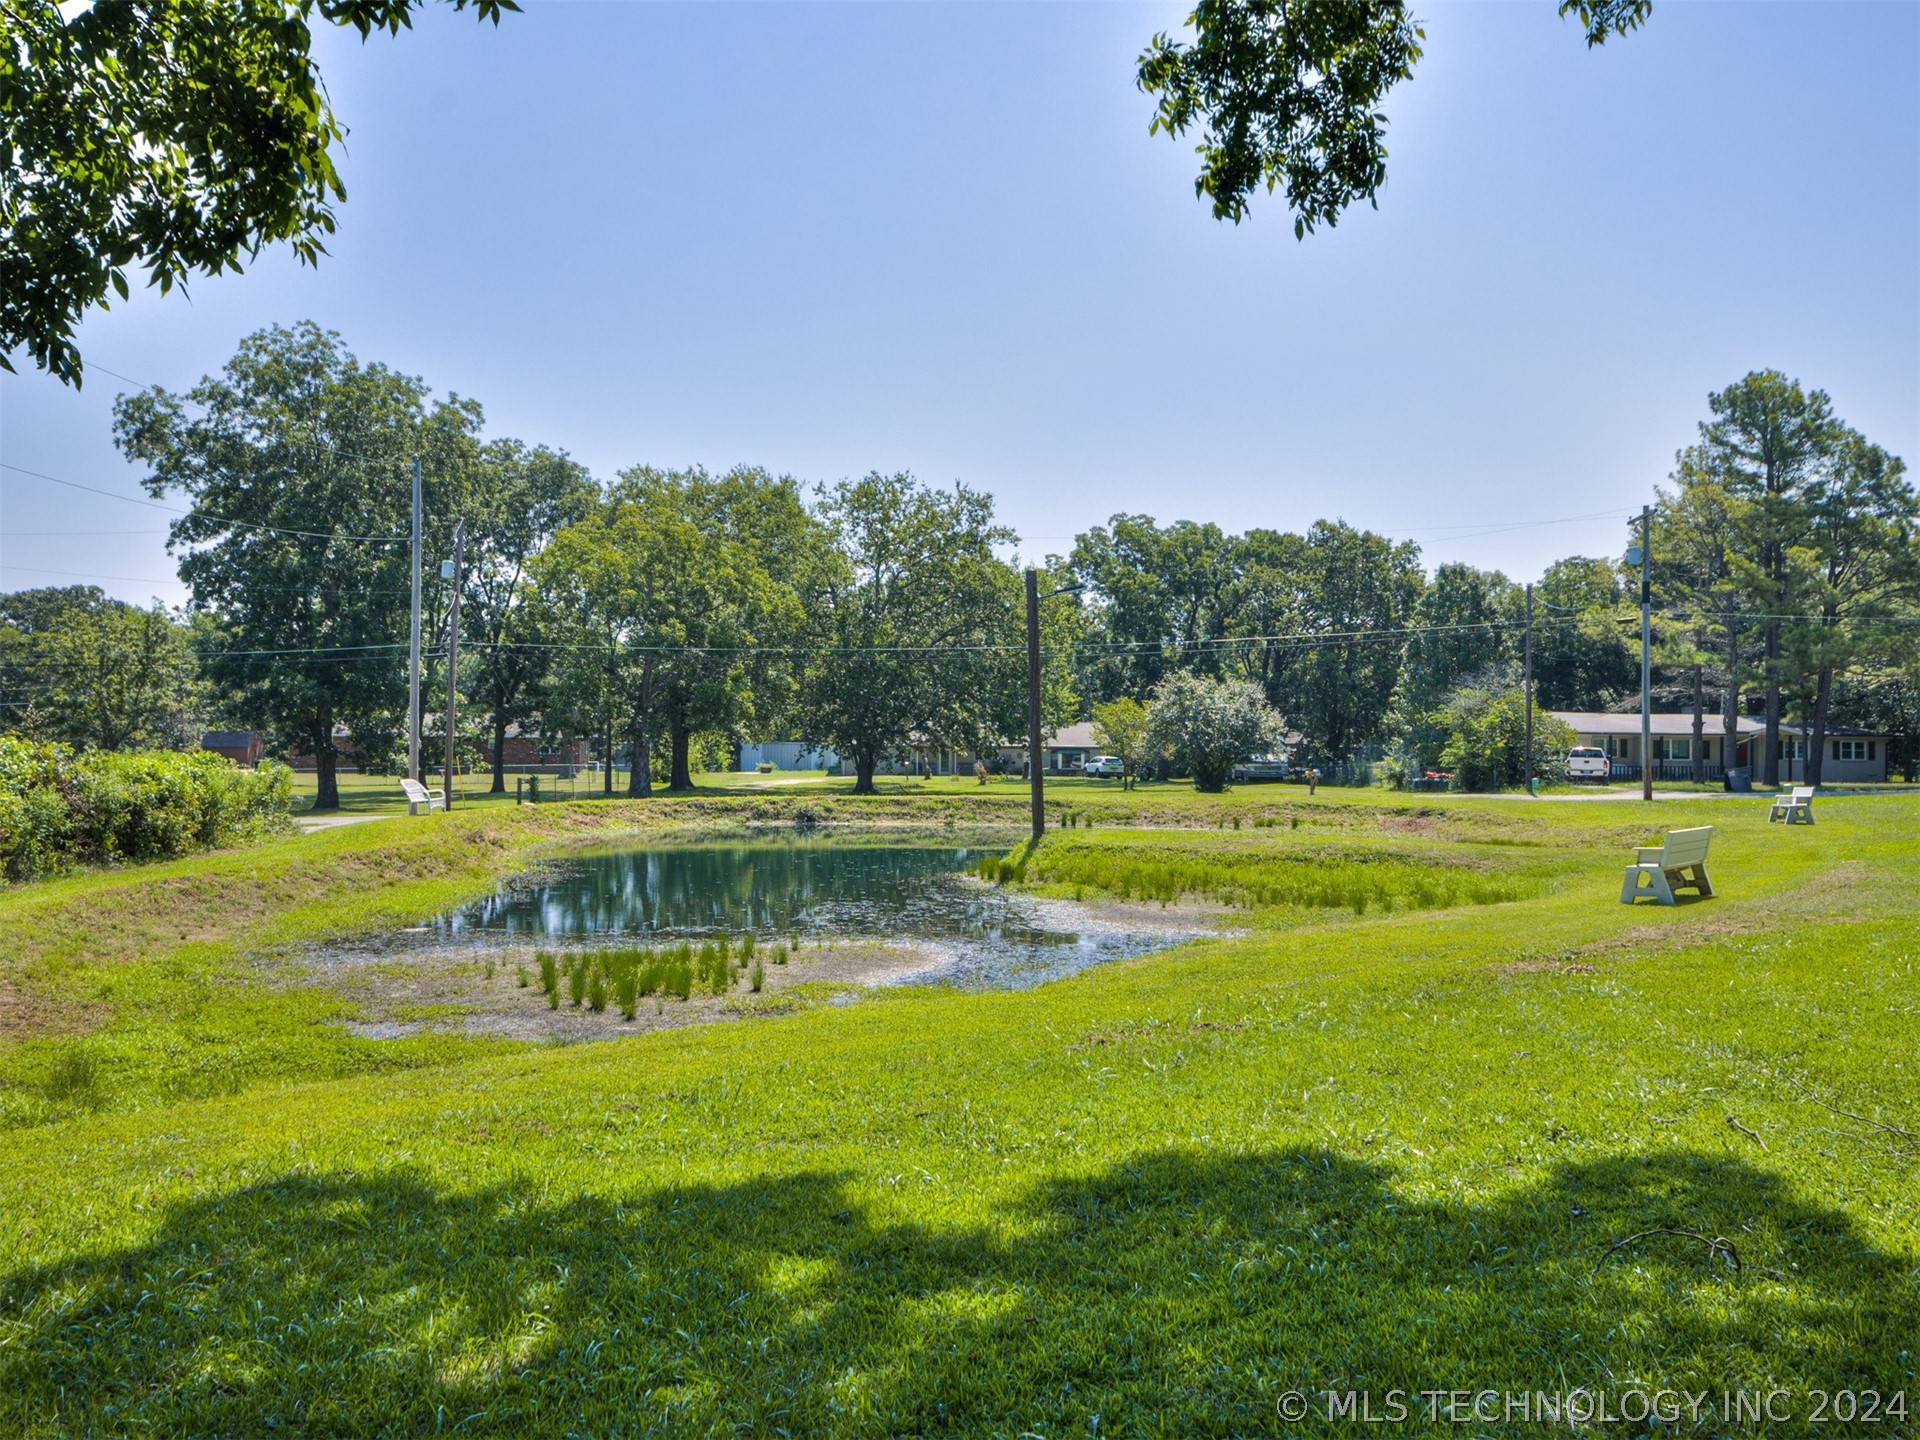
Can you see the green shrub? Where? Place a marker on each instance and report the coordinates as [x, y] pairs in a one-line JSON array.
[[597, 992], [746, 948], [626, 991], [577, 979], [549, 972], [757, 977], [59, 809]]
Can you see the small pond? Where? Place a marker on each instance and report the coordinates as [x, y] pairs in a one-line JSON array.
[[969, 933]]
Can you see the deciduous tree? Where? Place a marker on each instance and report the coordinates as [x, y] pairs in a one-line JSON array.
[[295, 463], [913, 635], [1286, 94], [1357, 593], [176, 136], [1208, 726], [1121, 728]]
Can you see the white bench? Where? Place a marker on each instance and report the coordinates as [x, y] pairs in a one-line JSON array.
[[1679, 864], [422, 800], [1797, 806]]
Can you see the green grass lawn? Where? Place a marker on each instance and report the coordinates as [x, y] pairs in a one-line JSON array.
[[1454, 1119]]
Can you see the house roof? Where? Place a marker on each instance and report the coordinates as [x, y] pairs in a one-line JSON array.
[[1606, 722], [1627, 722], [1075, 737], [228, 739]]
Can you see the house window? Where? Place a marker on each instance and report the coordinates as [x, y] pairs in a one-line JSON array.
[[1853, 750], [1676, 747], [1793, 749]]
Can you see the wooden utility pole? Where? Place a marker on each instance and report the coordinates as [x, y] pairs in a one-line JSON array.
[[1646, 652], [1034, 766], [413, 644], [453, 651], [1527, 687]]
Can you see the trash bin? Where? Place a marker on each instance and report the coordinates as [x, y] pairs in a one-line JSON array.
[[1740, 780]]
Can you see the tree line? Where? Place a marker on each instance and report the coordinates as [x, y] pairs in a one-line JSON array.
[[670, 614]]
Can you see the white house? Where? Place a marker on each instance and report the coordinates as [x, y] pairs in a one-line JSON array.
[[1069, 750], [1852, 756], [787, 755]]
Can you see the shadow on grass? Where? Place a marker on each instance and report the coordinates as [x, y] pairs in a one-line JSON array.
[[1179, 1294]]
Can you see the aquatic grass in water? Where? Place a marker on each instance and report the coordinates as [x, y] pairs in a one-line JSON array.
[[1356, 881]]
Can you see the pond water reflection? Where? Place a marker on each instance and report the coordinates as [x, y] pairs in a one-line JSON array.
[[971, 933]]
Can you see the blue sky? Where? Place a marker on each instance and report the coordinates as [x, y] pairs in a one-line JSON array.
[[835, 238]]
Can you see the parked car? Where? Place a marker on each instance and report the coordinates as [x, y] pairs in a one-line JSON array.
[[1588, 762], [1259, 767], [1105, 767]]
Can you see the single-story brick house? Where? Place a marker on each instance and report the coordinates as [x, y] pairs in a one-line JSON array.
[[1853, 756], [243, 747], [345, 752], [528, 752]]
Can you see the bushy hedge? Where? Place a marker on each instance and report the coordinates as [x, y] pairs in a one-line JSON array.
[[59, 809]]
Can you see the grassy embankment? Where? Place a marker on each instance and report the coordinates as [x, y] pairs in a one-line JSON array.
[[1368, 1145]]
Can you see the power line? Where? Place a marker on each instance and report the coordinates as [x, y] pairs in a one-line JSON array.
[[150, 580], [87, 575], [203, 514]]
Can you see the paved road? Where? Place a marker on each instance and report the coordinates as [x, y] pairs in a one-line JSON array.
[[1633, 793]]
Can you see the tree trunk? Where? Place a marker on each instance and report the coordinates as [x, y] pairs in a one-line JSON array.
[[640, 777], [1817, 740], [499, 786], [1770, 774], [326, 794], [681, 740], [1730, 748], [862, 774], [1699, 726]]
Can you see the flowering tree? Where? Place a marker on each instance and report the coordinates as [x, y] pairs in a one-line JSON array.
[[1209, 726]]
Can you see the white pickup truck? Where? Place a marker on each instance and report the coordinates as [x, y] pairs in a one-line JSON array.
[[1588, 762]]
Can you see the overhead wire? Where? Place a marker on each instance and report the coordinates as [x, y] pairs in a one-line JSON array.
[[208, 515]]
